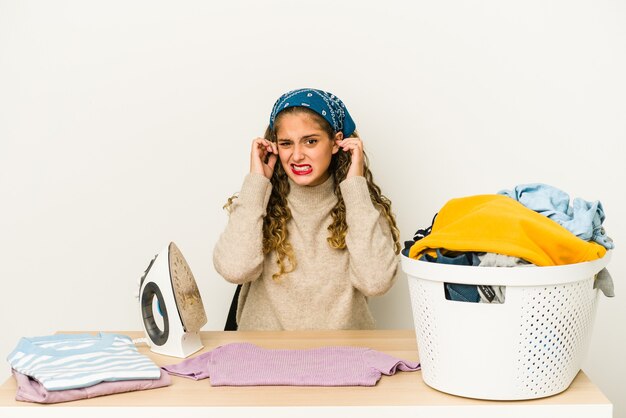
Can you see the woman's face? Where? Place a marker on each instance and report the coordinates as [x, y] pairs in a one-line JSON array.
[[305, 149]]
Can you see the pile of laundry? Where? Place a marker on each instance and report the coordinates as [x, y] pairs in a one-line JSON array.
[[68, 367], [533, 224]]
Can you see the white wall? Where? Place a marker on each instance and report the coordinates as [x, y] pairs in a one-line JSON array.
[[124, 125]]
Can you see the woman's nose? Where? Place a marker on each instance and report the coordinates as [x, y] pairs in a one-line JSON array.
[[298, 152]]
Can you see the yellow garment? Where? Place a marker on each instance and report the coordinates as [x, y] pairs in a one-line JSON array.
[[499, 224]]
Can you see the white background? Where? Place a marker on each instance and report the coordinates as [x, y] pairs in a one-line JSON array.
[[126, 124]]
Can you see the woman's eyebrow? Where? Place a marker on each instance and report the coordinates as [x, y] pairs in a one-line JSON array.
[[304, 137]]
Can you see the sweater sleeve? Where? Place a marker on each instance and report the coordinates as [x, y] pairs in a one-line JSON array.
[[238, 253], [388, 365], [373, 262]]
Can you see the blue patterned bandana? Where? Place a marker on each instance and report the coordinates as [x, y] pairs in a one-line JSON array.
[[325, 104]]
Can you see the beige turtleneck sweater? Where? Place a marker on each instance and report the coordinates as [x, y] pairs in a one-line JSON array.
[[329, 287]]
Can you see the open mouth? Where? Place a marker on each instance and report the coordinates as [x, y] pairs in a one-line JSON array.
[[301, 169]]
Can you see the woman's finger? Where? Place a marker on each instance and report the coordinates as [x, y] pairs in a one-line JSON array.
[[352, 147], [271, 161], [267, 145], [351, 141]]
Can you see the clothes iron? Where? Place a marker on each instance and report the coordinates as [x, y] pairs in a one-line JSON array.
[[171, 306]]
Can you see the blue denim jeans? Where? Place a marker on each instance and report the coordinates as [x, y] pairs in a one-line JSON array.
[[455, 291]]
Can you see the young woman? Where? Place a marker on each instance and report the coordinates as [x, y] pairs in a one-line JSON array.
[[310, 235]]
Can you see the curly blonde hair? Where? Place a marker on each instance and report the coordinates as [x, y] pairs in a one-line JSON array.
[[275, 233]]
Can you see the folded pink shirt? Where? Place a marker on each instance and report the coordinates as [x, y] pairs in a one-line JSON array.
[[244, 364], [30, 390]]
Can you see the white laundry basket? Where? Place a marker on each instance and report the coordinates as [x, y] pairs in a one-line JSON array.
[[530, 346]]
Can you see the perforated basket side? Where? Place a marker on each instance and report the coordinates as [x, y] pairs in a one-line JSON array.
[[425, 329], [555, 329]]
